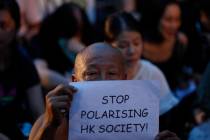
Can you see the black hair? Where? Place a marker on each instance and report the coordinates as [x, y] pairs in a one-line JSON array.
[[63, 23], [12, 7], [152, 12], [119, 22]]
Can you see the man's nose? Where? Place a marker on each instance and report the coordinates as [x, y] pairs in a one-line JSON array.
[[102, 76]]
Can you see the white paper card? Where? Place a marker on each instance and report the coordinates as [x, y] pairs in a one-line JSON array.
[[114, 110]]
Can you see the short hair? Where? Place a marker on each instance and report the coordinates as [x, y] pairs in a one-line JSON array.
[[119, 22], [12, 7], [103, 47]]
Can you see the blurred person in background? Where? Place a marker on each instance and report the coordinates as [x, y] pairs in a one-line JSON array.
[[204, 88], [32, 14], [201, 128], [164, 45], [20, 91], [122, 31], [130, 6], [62, 35], [203, 29]]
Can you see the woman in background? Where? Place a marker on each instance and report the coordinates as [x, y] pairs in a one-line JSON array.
[[62, 35], [164, 44], [122, 31]]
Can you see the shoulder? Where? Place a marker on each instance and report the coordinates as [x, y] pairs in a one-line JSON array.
[[152, 72], [153, 69], [201, 132]]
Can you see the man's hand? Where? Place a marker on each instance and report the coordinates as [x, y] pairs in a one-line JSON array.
[[58, 102], [166, 135]]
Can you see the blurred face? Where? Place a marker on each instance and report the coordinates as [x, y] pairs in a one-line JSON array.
[[103, 66], [7, 29], [131, 44], [170, 21], [205, 20], [129, 5]]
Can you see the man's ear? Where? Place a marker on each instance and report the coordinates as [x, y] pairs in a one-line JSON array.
[[73, 78]]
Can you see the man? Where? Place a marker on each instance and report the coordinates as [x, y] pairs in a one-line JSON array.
[[97, 62]]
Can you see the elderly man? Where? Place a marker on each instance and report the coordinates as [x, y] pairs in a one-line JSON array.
[[97, 62]]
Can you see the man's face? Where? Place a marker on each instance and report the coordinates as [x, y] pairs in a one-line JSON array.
[[103, 66]]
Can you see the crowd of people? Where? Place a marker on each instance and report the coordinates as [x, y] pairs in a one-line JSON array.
[[54, 42]]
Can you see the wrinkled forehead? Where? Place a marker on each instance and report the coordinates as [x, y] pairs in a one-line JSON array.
[[103, 56], [99, 55]]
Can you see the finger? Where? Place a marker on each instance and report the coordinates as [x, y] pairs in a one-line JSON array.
[[52, 101], [63, 110], [62, 88], [61, 105], [58, 90], [61, 98], [70, 90]]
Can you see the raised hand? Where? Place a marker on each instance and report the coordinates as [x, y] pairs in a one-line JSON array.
[[58, 102]]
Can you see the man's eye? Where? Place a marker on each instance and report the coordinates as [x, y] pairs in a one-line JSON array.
[[91, 73], [90, 76]]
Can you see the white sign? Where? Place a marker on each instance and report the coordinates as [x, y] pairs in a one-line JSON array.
[[114, 110]]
